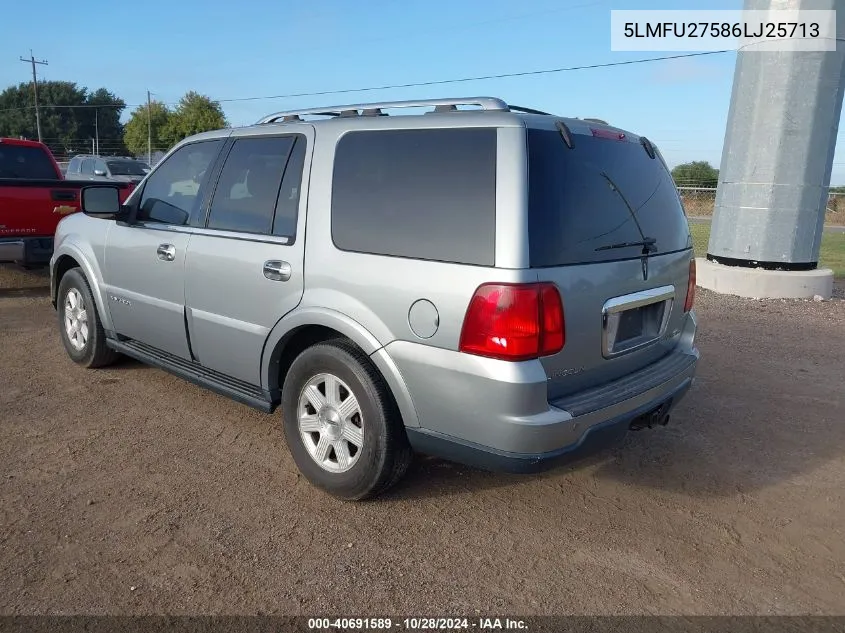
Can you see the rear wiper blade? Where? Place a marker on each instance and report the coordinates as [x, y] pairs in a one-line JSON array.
[[633, 213], [648, 245]]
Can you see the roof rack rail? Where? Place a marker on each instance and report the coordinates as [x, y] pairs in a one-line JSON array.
[[516, 108], [599, 121], [486, 103]]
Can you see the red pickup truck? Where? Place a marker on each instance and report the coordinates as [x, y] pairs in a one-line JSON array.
[[34, 197]]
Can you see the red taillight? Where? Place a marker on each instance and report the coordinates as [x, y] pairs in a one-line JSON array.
[[553, 334], [690, 287], [514, 322]]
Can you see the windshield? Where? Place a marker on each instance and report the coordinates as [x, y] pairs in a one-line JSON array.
[[128, 168], [599, 201], [32, 163]]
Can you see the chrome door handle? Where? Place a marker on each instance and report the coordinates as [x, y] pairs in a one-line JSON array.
[[167, 252], [276, 270]]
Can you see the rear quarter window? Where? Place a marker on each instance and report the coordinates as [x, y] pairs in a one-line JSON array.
[[574, 209], [425, 194]]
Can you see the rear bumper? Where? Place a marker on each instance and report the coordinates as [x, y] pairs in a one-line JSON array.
[[27, 250], [595, 439], [496, 414]]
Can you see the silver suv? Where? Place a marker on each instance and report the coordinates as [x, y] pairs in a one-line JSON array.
[[120, 168], [481, 282]]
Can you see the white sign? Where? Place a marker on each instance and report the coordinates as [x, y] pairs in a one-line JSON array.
[[766, 30]]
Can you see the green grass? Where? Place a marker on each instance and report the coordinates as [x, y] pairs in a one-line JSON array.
[[832, 253]]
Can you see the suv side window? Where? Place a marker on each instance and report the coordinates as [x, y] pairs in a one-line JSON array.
[[248, 188], [87, 168], [73, 165], [287, 207], [176, 187], [100, 165], [424, 194]]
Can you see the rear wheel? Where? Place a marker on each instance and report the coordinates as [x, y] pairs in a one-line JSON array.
[[79, 323], [341, 424]]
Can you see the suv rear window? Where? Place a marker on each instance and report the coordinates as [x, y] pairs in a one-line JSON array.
[[127, 168], [425, 194], [574, 208], [18, 161]]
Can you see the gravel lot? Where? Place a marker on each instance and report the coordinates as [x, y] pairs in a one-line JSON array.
[[129, 491]]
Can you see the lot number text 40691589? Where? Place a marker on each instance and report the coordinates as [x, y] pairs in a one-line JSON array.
[[416, 624]]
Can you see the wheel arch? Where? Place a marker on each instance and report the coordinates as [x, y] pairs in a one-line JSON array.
[[63, 264], [69, 257], [303, 328]]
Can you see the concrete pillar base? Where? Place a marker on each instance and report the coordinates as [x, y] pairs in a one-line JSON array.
[[756, 283]]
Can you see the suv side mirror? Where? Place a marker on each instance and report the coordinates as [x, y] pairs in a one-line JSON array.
[[99, 172], [101, 200]]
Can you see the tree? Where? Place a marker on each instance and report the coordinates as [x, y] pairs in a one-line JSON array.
[[135, 132], [696, 174], [195, 113], [65, 129], [103, 121]]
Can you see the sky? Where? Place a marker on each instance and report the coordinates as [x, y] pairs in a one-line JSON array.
[[261, 48]]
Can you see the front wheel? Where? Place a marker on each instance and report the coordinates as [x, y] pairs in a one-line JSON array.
[[79, 323], [342, 427]]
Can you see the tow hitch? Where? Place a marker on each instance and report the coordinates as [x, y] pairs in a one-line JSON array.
[[650, 419]]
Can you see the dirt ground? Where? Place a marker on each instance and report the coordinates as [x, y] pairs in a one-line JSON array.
[[127, 491]]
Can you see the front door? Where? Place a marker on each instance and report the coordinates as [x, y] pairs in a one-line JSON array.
[[244, 269], [144, 264]]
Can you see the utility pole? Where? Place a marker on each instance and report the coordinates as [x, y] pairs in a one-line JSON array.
[[97, 129], [775, 172], [149, 131], [34, 61]]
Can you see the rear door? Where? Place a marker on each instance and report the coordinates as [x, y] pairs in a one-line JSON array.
[[244, 269], [607, 226]]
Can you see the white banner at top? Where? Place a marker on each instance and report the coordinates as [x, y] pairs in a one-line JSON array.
[[703, 30]]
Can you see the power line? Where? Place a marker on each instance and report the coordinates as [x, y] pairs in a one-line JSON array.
[[418, 84], [80, 105], [440, 82]]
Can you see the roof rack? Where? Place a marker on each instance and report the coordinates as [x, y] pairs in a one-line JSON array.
[[516, 108], [375, 109]]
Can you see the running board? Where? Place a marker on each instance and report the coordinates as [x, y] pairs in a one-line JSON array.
[[210, 379]]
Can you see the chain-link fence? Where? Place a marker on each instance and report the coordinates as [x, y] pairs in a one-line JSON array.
[[699, 202], [836, 204]]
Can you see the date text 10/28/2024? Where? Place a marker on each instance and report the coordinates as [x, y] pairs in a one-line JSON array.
[[416, 624]]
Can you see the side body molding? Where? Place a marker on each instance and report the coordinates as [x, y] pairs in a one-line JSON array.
[[348, 327]]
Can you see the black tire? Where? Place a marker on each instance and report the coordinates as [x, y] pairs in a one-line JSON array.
[[94, 352], [385, 455]]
